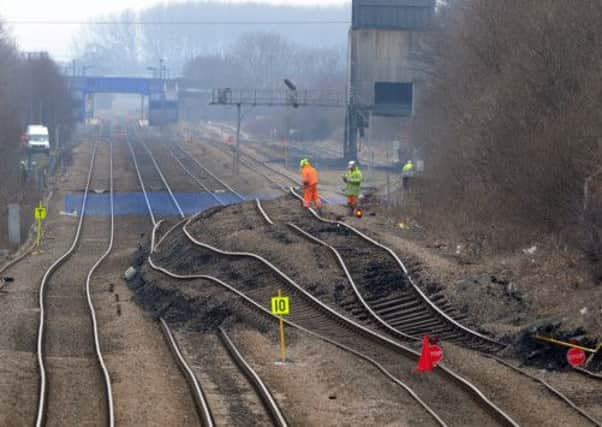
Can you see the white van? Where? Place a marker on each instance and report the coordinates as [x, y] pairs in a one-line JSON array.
[[37, 138]]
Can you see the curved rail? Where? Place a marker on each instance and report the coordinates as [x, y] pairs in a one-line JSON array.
[[411, 281], [358, 294], [267, 313], [345, 320], [550, 388], [263, 212], [374, 315], [264, 393], [43, 391], [588, 373], [97, 346], [197, 392], [199, 396]]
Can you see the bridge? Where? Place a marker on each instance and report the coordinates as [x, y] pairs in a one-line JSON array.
[[162, 95]]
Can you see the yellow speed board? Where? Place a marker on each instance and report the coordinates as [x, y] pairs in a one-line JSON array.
[[280, 306], [40, 212]]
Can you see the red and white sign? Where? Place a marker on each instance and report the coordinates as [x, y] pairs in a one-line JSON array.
[[430, 355], [436, 354], [575, 357]]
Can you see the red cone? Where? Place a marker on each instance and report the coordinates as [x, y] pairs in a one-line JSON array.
[[425, 363]]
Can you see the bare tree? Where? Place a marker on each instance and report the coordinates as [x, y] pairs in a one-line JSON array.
[[510, 116]]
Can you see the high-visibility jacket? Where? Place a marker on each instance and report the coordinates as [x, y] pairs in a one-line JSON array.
[[309, 176], [354, 179], [408, 168]]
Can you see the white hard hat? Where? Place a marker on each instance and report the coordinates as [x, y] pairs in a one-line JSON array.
[[351, 164]]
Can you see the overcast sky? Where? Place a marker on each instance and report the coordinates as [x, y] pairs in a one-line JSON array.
[[57, 39]]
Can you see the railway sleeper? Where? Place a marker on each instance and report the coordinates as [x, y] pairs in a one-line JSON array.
[[431, 330], [382, 308], [420, 318], [419, 329], [406, 298], [418, 306]]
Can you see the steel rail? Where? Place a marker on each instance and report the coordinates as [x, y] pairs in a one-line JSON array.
[[97, 346], [219, 146], [194, 178], [356, 291], [198, 395], [167, 233], [211, 174], [144, 192], [263, 212], [345, 320], [200, 398], [43, 389], [374, 315], [267, 313], [497, 359], [18, 258], [282, 188], [549, 387], [588, 373], [264, 393], [407, 274], [245, 153], [165, 183]]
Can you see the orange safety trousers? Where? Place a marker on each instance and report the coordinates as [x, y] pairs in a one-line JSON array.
[[352, 201], [310, 194]]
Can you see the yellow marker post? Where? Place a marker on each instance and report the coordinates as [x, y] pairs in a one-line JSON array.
[[40, 214], [281, 307]]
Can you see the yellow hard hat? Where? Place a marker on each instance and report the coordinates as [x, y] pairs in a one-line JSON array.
[[303, 162]]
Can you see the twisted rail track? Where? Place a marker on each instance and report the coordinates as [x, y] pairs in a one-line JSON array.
[[64, 336], [406, 308], [319, 317], [203, 407], [385, 309]]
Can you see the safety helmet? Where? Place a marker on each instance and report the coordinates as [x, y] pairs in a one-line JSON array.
[[351, 164], [303, 162]]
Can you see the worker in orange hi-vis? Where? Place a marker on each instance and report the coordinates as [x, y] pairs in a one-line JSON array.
[[309, 177]]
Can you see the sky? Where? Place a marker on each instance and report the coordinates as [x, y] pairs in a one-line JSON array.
[[58, 39]]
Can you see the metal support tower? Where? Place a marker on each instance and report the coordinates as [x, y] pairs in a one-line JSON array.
[[274, 98]]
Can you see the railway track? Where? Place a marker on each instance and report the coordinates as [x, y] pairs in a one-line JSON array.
[[235, 356], [72, 371], [367, 314], [393, 358], [315, 315], [396, 299], [270, 173]]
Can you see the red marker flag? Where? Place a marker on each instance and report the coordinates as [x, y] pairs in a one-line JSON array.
[[425, 363]]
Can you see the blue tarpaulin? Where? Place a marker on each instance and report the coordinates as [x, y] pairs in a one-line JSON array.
[[161, 203]]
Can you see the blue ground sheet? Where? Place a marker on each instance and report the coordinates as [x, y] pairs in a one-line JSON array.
[[161, 203]]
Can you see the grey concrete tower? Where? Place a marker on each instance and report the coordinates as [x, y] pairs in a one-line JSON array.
[[384, 74]]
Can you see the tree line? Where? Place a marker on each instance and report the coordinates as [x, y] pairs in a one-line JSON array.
[[128, 42], [511, 123], [32, 91], [261, 61]]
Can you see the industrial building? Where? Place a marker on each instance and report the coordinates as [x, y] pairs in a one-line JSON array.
[[384, 71]]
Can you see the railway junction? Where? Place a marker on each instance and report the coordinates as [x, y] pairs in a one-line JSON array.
[[149, 304]]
